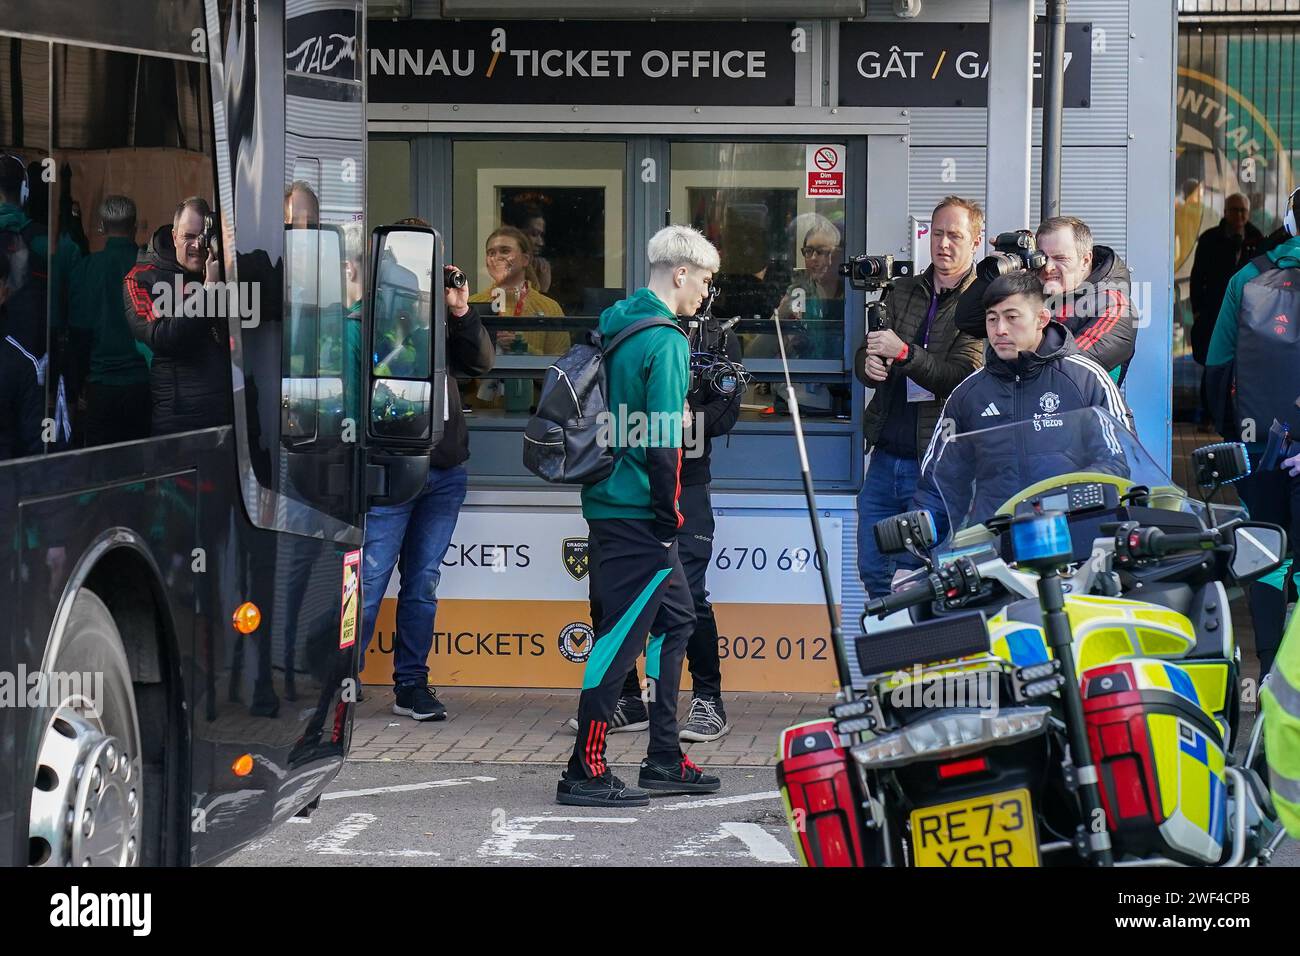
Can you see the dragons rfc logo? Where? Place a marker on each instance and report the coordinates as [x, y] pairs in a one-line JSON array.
[[575, 552]]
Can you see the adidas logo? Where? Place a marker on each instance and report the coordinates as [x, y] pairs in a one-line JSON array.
[[991, 411]]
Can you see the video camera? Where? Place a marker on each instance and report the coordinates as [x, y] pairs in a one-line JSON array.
[[711, 366], [1012, 252], [876, 274]]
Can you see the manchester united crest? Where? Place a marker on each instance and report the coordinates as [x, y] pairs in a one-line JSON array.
[[576, 559]]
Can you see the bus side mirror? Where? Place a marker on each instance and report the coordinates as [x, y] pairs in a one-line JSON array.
[[407, 368]]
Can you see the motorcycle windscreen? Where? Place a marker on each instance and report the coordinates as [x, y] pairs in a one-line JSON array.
[[978, 474]]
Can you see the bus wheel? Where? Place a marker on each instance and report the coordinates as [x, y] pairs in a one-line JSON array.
[[87, 790]]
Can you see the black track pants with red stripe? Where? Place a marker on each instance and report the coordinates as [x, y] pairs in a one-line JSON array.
[[646, 607]]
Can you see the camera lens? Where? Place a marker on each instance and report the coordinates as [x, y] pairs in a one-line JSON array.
[[454, 279]]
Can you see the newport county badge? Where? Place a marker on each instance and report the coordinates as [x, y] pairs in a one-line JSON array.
[[576, 641], [576, 560]]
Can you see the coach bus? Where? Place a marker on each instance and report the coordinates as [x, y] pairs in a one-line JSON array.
[[178, 653]]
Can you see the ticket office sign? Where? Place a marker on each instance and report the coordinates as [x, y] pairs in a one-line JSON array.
[[513, 604]]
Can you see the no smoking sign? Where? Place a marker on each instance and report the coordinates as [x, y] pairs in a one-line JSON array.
[[824, 165]]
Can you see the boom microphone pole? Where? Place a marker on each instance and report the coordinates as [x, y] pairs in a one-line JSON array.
[[832, 612]]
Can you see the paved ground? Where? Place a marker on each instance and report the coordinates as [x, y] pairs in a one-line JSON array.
[[438, 814], [511, 725]]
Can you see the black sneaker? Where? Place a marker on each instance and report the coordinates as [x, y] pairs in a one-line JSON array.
[[706, 721], [419, 702], [629, 715], [603, 791], [683, 777]]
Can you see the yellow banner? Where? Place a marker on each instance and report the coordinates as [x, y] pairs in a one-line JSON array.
[[762, 647]]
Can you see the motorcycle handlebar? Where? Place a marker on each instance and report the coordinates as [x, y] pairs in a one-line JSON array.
[[1152, 542], [901, 600], [954, 580]]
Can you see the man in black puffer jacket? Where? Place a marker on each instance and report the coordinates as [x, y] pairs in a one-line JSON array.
[[1033, 372], [1088, 289], [190, 375]]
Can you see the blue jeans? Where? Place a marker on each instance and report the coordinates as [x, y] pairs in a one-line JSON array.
[[886, 491], [413, 537]]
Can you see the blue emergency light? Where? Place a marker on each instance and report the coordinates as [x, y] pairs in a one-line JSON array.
[[1041, 540]]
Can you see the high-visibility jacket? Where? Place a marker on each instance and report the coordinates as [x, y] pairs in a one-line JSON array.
[[1280, 701]]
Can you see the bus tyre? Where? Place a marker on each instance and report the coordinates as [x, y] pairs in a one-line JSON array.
[[87, 785]]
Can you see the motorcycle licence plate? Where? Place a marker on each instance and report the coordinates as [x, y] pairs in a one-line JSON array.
[[996, 829]]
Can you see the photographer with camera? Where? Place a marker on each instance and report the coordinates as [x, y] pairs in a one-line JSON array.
[[1087, 288], [190, 374], [913, 362]]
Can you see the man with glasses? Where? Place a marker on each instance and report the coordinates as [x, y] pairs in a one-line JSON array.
[[913, 366], [190, 374]]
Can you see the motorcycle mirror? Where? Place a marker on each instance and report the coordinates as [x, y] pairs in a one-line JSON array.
[[911, 529], [1257, 550]]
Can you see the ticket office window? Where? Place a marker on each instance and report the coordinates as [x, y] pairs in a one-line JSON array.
[[576, 216], [539, 229], [780, 250]]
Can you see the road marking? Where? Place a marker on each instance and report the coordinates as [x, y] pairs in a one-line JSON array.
[[337, 839], [505, 840], [406, 787], [762, 845], [335, 842], [719, 801]]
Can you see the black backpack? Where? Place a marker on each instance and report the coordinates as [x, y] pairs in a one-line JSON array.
[[562, 440], [1268, 346]]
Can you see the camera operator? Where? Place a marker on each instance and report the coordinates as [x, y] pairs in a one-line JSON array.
[[913, 366], [714, 402], [190, 373], [1087, 287]]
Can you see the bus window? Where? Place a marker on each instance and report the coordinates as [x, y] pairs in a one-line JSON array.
[[781, 244], [539, 229], [130, 142], [24, 245]]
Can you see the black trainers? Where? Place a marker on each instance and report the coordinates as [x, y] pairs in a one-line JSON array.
[[603, 791], [630, 714], [683, 777], [706, 721], [419, 702]]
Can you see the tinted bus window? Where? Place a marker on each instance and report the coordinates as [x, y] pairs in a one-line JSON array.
[[131, 140], [24, 244]]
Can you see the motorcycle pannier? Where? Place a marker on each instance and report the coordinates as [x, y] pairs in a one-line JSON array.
[[1160, 755], [813, 774]]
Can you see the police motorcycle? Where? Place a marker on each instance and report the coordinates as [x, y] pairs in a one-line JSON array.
[[1058, 684]]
